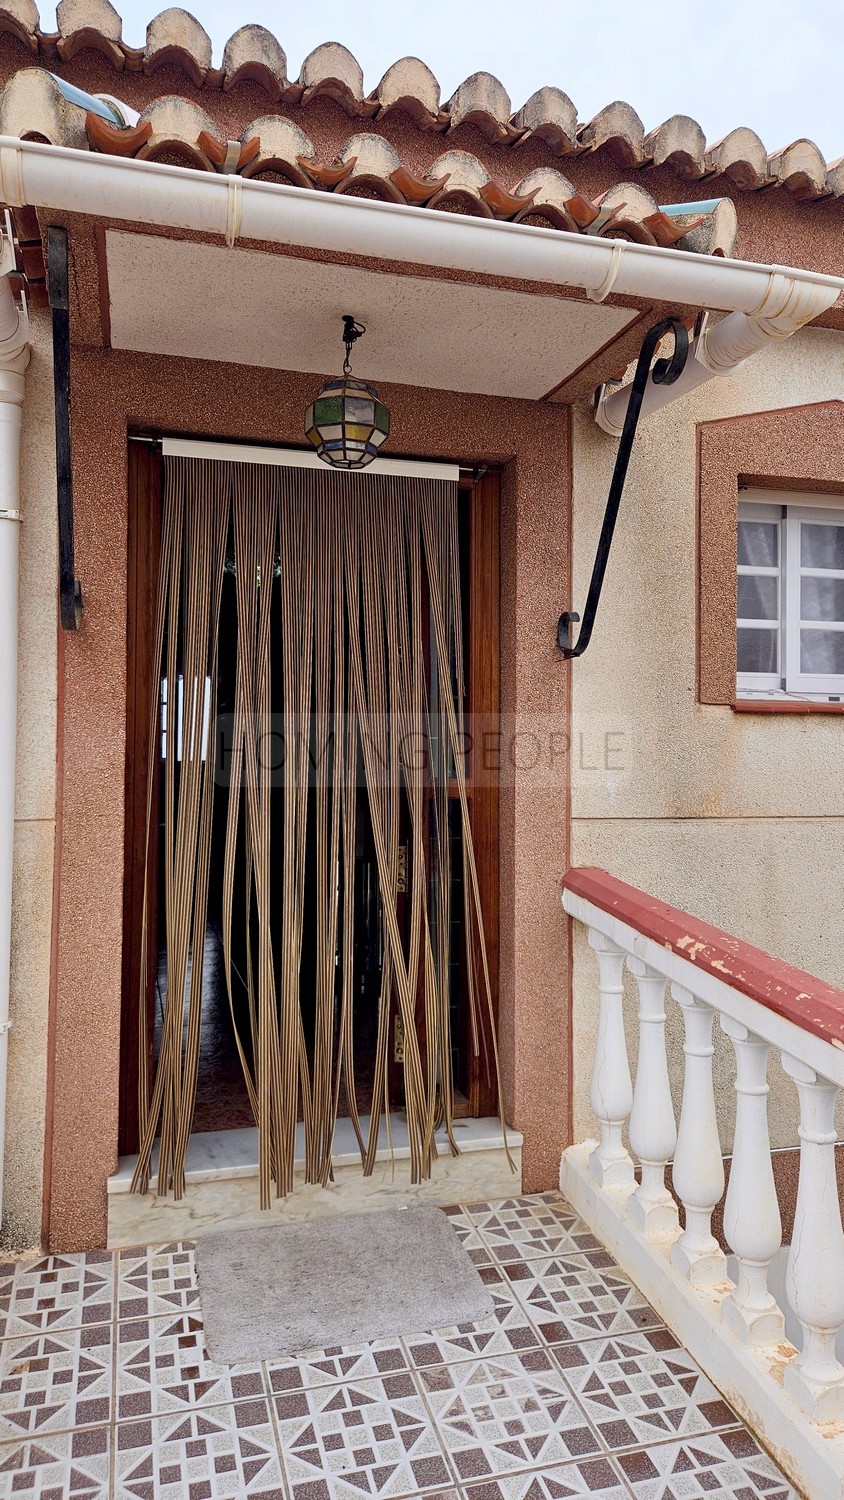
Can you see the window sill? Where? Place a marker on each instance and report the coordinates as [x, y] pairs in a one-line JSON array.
[[784, 706]]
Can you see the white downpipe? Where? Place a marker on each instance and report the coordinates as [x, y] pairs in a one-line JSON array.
[[238, 208], [14, 357], [789, 303]]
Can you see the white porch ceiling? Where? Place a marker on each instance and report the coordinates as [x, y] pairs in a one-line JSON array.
[[254, 308]]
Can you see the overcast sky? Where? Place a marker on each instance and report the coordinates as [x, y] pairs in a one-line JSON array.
[[775, 65]]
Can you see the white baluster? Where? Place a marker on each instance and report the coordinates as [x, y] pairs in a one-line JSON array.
[[653, 1130], [752, 1226], [611, 1092], [815, 1277], [698, 1167]]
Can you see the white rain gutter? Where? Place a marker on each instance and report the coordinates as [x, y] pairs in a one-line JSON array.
[[722, 348], [235, 208], [14, 358]]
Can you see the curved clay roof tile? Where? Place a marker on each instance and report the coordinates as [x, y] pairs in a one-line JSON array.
[[331, 69], [482, 100], [89, 23], [21, 18], [114, 141], [550, 115], [410, 85], [717, 235], [373, 161], [465, 173], [282, 144], [416, 190], [800, 168], [31, 104], [740, 156], [679, 141], [175, 36], [506, 205], [551, 192], [466, 176], [618, 130], [635, 200], [177, 122], [252, 52]]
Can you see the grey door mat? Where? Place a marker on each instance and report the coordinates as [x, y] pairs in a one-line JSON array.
[[265, 1293]]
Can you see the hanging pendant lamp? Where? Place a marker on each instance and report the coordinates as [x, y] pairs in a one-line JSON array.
[[346, 422]]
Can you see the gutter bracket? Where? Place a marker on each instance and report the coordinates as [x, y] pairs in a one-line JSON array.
[[664, 372], [70, 590]]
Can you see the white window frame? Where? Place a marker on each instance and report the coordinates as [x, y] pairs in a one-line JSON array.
[[767, 682], [790, 509]]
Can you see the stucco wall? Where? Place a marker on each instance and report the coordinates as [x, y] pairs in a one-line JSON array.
[[737, 818], [35, 805]]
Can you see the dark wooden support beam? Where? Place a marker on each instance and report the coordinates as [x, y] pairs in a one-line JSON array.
[[70, 591]]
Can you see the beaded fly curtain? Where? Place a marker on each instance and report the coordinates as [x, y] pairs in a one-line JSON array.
[[349, 654]]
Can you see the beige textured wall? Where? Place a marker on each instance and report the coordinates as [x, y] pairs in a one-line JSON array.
[[737, 818], [35, 805]]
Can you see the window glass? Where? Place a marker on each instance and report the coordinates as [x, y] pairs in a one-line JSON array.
[[821, 546], [758, 597], [758, 544], [821, 651], [758, 650], [821, 598]]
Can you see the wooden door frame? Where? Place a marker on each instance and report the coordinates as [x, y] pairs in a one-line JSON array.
[[145, 483], [483, 707], [145, 475]]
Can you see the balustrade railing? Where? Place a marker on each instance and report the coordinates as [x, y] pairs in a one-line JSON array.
[[768, 1010]]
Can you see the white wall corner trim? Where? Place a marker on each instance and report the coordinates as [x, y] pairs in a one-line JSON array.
[[14, 357]]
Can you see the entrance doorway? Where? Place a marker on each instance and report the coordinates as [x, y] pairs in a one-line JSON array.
[[455, 808]]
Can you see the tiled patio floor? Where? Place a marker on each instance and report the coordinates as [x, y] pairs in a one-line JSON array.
[[574, 1388]]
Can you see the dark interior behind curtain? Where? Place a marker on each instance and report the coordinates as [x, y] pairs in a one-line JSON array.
[[349, 670]]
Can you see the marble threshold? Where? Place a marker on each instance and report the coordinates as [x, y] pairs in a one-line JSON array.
[[220, 1155], [222, 1183]]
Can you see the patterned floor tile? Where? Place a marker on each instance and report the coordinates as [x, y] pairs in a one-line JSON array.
[[642, 1387], [333, 1366], [506, 1332], [162, 1367], [467, 1233], [219, 1453], [567, 1298], [56, 1380], [155, 1281], [729, 1466], [56, 1291], [370, 1437], [595, 1477], [523, 1228], [57, 1466], [504, 1415]]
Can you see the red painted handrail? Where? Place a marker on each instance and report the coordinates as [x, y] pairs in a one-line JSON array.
[[808, 1002]]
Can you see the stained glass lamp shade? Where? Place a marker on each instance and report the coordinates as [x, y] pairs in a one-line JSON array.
[[346, 423]]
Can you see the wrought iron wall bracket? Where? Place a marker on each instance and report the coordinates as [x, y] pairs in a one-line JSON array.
[[664, 372], [70, 591]]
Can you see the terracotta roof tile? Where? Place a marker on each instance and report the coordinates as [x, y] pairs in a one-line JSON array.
[[680, 142], [175, 36], [89, 23], [800, 168], [252, 53], [740, 156], [410, 85], [550, 115]]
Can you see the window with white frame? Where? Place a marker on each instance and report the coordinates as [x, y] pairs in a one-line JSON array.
[[790, 627]]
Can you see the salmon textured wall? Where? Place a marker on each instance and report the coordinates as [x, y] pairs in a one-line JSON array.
[[114, 392]]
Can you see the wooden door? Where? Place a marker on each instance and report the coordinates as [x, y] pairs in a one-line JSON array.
[[479, 523]]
